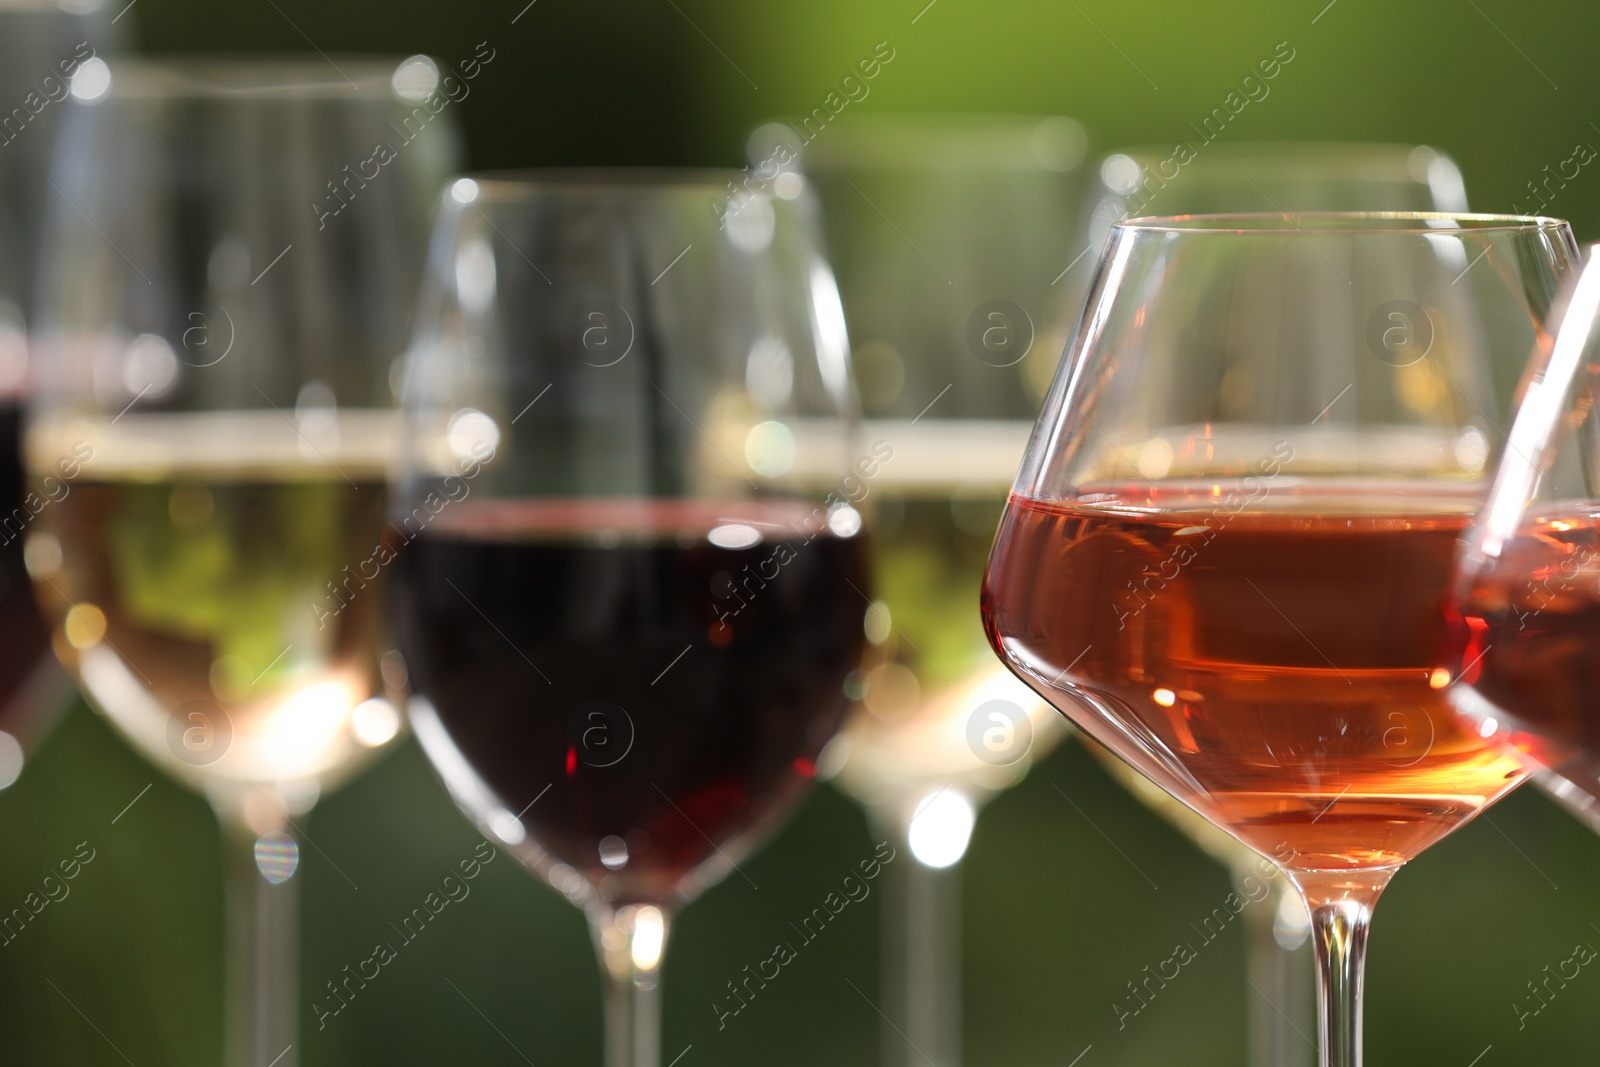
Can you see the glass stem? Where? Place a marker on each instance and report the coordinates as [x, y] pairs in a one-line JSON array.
[[630, 943], [921, 961], [1280, 1015], [263, 959], [1340, 903]]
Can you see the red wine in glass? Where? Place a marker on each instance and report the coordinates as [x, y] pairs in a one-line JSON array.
[[648, 683]]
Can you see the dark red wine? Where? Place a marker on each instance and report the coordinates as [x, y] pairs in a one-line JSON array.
[[651, 681]]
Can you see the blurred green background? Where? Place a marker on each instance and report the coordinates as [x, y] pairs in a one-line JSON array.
[[1056, 921]]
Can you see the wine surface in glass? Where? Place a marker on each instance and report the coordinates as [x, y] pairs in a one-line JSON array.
[[648, 683], [1271, 666], [1528, 630], [217, 596]]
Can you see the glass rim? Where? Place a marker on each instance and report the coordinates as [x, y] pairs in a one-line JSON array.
[[1343, 222], [264, 75], [529, 184], [1239, 151]]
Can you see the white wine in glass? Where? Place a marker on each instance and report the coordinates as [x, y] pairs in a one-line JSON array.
[[215, 590], [223, 302]]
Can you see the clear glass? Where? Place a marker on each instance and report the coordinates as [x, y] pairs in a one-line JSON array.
[[1527, 608], [947, 234], [224, 296], [1227, 552], [41, 45], [631, 579], [1307, 177]]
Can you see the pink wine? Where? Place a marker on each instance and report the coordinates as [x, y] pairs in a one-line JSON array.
[[1272, 668], [1527, 643]]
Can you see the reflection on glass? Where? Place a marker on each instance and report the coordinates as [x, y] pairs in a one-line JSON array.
[[210, 440], [950, 236]]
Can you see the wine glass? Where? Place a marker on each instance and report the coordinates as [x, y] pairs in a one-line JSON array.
[[632, 579], [42, 44], [1227, 552], [224, 295], [1527, 605], [946, 233], [1253, 177]]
